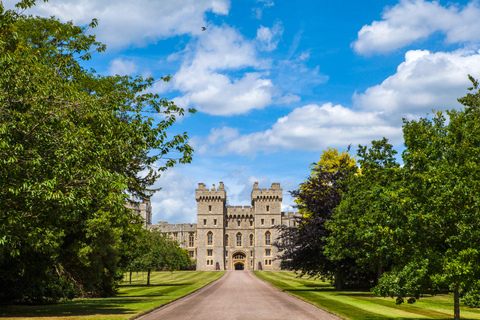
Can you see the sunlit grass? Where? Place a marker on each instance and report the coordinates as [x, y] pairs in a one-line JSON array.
[[133, 299], [364, 305]]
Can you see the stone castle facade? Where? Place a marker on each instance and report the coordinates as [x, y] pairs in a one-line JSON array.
[[233, 237]]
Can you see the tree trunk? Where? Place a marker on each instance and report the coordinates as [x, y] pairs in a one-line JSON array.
[[148, 277], [379, 269], [456, 303], [338, 280], [130, 276]]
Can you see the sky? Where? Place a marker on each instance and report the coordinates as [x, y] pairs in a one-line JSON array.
[[275, 83]]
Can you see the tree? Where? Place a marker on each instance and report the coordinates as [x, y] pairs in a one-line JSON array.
[[72, 145], [439, 206], [158, 251], [302, 248], [363, 223]]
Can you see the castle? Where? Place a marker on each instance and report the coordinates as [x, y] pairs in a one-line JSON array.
[[232, 237]]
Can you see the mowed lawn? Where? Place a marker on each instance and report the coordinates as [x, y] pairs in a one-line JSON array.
[[132, 299], [364, 305]]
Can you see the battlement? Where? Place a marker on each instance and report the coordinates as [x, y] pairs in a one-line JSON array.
[[239, 210], [275, 193], [291, 215], [204, 194], [166, 227]]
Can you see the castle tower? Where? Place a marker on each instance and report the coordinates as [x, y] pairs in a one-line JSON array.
[[267, 204], [211, 210]]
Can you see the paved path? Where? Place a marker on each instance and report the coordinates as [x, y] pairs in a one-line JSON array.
[[239, 295]]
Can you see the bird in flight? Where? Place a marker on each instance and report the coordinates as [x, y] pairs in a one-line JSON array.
[[204, 28]]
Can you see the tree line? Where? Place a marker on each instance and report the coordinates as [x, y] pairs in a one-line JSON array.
[[402, 230], [74, 145]]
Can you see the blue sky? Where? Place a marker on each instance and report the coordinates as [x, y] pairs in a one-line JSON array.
[[277, 82]]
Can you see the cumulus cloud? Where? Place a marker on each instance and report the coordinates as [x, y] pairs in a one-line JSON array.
[[208, 80], [314, 128], [268, 38], [411, 20], [122, 67], [124, 23], [424, 81], [176, 201]]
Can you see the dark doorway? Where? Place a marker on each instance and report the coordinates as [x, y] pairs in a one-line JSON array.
[[239, 266]]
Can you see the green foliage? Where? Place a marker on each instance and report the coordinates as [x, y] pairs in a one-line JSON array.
[[364, 221], [72, 143], [420, 223], [157, 251], [303, 248]]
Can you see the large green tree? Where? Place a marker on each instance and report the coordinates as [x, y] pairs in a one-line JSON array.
[[440, 200], [302, 248], [363, 223], [72, 145]]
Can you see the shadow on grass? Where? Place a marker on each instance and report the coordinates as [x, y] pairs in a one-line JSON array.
[[72, 308], [154, 285]]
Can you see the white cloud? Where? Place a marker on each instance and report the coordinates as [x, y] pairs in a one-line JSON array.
[[424, 81], [205, 80], [314, 128], [411, 20], [123, 23], [267, 39], [122, 67], [176, 201], [259, 11]]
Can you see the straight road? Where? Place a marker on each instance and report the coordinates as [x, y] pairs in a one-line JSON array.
[[239, 295]]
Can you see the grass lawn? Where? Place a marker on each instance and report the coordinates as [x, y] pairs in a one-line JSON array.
[[132, 299], [364, 305]]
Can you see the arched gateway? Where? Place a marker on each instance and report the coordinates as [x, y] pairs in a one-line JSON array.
[[238, 259]]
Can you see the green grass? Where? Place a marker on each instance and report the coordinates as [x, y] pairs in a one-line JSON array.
[[364, 305], [133, 299]]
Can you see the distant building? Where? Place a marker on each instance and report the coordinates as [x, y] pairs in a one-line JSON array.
[[143, 209], [233, 237]]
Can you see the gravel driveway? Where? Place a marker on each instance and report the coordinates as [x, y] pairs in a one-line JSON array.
[[239, 295]]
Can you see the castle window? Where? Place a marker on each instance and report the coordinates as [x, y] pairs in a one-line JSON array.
[[226, 223], [251, 263], [211, 262], [209, 252], [191, 254], [175, 235], [251, 240], [215, 222], [209, 238], [262, 221], [226, 254], [238, 223], [268, 208], [209, 208], [294, 223], [239, 239], [191, 240], [273, 222], [270, 262], [226, 240], [251, 253], [251, 223], [204, 222], [267, 238], [208, 262], [268, 252]]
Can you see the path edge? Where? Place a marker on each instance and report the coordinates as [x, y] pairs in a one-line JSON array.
[[298, 298], [170, 302]]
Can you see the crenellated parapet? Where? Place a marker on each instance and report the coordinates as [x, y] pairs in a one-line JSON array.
[[210, 195], [275, 193], [240, 212]]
